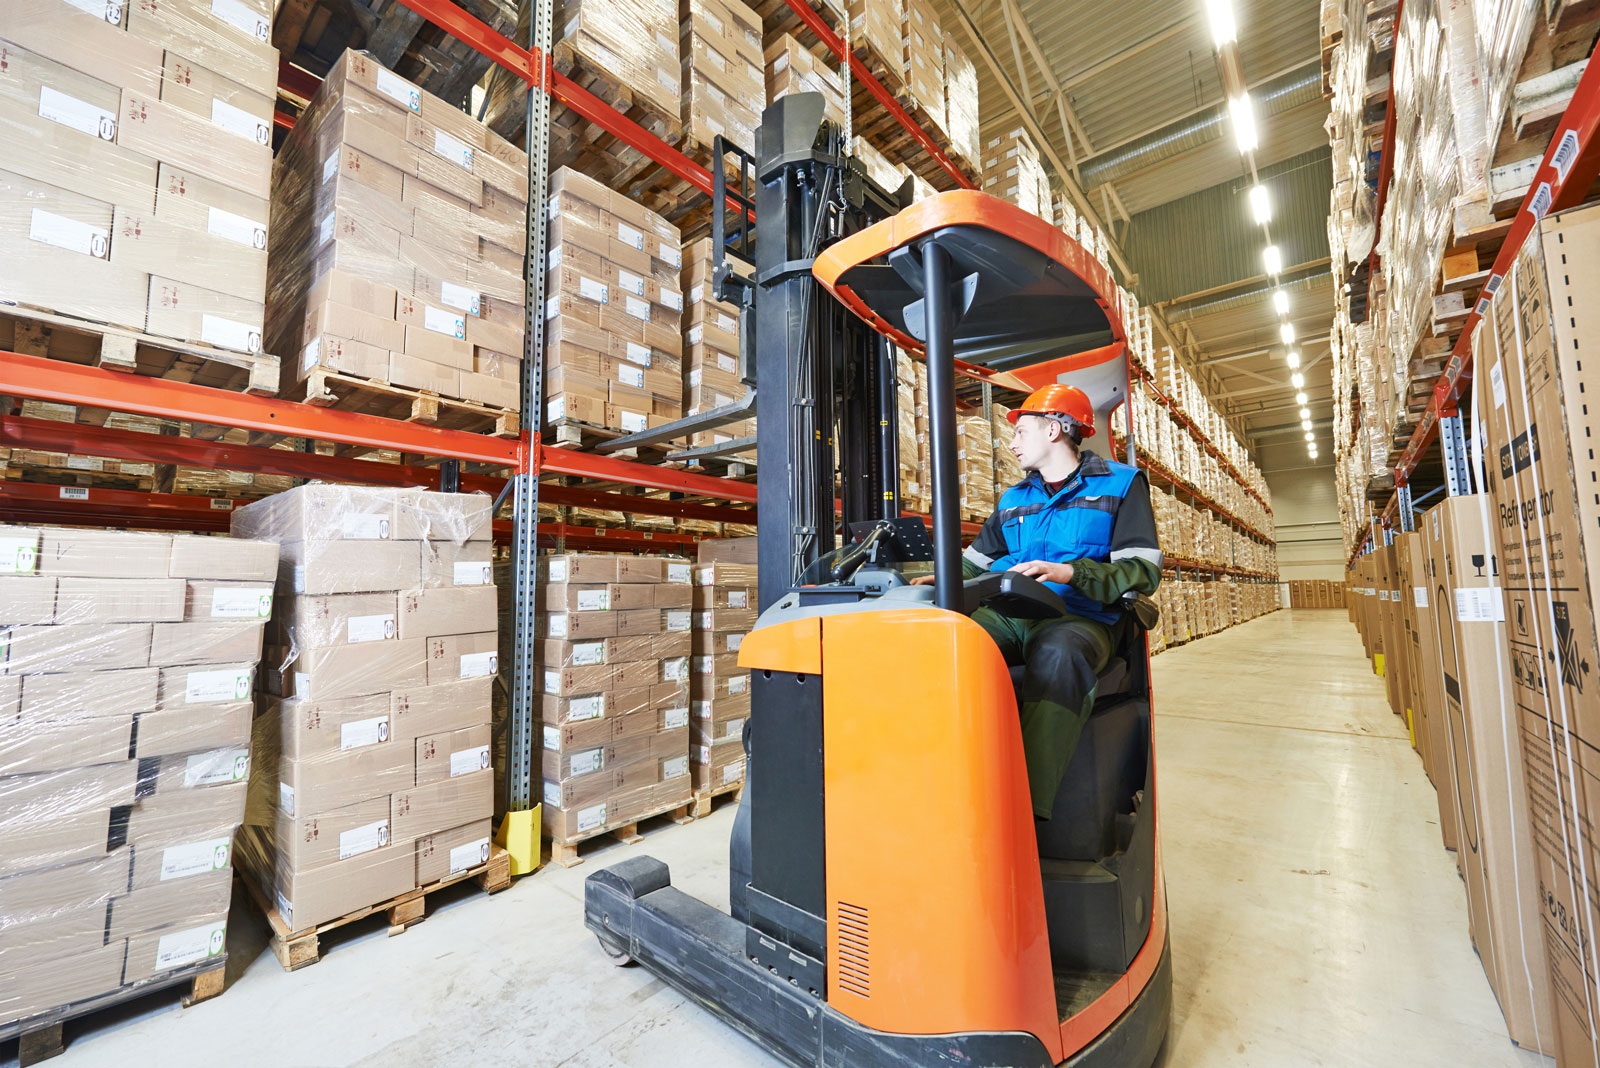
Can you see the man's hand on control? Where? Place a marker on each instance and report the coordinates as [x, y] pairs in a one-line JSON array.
[[1045, 571], [922, 580]]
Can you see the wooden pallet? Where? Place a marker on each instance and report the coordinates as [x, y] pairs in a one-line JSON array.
[[330, 389], [61, 469], [581, 435], [298, 949], [705, 800], [61, 337], [567, 852], [39, 1036], [778, 18]]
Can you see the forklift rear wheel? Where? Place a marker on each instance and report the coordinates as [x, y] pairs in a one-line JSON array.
[[618, 957]]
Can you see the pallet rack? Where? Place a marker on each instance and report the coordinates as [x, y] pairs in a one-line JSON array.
[[434, 457]]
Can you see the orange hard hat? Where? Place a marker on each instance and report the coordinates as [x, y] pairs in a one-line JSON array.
[[1058, 401]]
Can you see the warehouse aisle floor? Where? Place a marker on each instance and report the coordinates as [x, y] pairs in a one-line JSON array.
[[1316, 920]]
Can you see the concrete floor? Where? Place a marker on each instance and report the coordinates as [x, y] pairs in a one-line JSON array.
[[1316, 919]]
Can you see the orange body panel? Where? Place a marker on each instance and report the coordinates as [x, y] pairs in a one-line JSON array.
[[935, 905], [793, 646]]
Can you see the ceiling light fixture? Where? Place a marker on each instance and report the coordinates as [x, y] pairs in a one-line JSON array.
[[1286, 333], [1272, 259], [1260, 204], [1305, 413], [1299, 398], [1280, 302], [1297, 380], [1223, 28], [1310, 436], [1293, 357], [1244, 122]]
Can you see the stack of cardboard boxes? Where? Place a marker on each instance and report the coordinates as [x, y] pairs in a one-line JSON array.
[[1012, 170], [399, 227], [1007, 471], [632, 43], [613, 310], [134, 189], [373, 773], [724, 612], [924, 57], [711, 350], [126, 663], [791, 68], [614, 711], [975, 456], [724, 81], [961, 105], [878, 28], [911, 378]]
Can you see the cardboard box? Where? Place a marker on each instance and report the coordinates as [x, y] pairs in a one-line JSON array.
[[56, 794], [186, 772], [443, 804], [462, 656], [324, 567], [327, 836], [311, 896], [27, 599], [353, 670], [174, 817], [447, 853], [205, 642], [53, 839], [90, 647], [453, 754], [90, 553], [440, 612], [171, 904], [85, 694], [440, 708]]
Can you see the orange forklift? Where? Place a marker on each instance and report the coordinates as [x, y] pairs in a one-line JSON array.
[[894, 902]]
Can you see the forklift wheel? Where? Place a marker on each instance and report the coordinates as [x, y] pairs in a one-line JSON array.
[[617, 956]]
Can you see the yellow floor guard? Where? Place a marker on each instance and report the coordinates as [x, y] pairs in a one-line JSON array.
[[1377, 664], [519, 836]]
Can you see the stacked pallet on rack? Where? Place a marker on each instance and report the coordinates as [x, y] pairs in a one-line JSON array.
[[725, 609], [975, 460], [373, 777], [877, 29], [124, 745], [724, 75], [613, 662], [395, 273], [134, 196], [1007, 471], [711, 371], [791, 68], [613, 308], [923, 57], [961, 107], [911, 384], [1012, 170]]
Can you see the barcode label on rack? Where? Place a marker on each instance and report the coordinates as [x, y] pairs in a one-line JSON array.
[[1566, 151], [74, 493], [1540, 202]]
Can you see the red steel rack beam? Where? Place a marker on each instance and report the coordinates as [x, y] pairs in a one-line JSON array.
[[858, 71], [1565, 175]]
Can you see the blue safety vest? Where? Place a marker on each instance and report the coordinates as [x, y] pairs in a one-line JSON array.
[[1073, 524]]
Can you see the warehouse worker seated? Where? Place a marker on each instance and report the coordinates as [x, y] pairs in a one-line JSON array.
[[1083, 526]]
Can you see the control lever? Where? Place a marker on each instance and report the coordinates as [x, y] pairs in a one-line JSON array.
[[861, 552], [1011, 593]]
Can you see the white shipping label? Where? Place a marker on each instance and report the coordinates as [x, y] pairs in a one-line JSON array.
[[241, 602], [1383, 595], [552, 794], [672, 299], [727, 363], [638, 308], [77, 114], [477, 665], [738, 599], [591, 817], [365, 839], [302, 684], [588, 762], [697, 293], [286, 910], [738, 684], [195, 944], [631, 282], [325, 229], [1498, 381], [678, 619], [587, 653], [240, 17], [467, 761], [672, 257], [734, 641], [330, 166], [313, 354], [582, 708], [638, 353], [1566, 151], [553, 260], [732, 729], [246, 232], [552, 682], [666, 80], [473, 572], [363, 732], [629, 236], [286, 799], [469, 855], [364, 525], [195, 858], [629, 375], [229, 334], [695, 334], [675, 768], [728, 323], [228, 684], [219, 765], [86, 463], [590, 289], [557, 625], [557, 409], [398, 89], [461, 298], [678, 573], [110, 10], [675, 669], [455, 151], [19, 556], [673, 718], [558, 570], [442, 322], [594, 600], [733, 772], [633, 422], [1480, 604], [552, 739], [238, 121], [74, 236], [1419, 596]]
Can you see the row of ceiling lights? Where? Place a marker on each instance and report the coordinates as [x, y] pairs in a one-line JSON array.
[[1242, 112]]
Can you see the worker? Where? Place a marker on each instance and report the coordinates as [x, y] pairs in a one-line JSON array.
[[1083, 526]]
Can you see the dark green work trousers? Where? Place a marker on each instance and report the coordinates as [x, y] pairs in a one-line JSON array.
[[1063, 659]]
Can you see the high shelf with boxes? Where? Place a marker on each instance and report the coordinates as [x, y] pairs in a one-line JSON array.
[[1425, 241], [725, 610]]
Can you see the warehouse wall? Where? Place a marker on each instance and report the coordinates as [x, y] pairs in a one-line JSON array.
[[1305, 507]]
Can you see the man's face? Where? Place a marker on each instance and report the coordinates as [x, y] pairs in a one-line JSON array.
[[1033, 439]]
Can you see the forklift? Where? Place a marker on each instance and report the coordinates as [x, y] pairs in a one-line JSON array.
[[894, 901]]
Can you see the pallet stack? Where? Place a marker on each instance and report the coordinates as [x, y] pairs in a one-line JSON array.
[[975, 457], [960, 119], [911, 427], [791, 68], [614, 711], [613, 312], [724, 612], [923, 58], [724, 80], [399, 227], [877, 29], [1012, 170], [373, 774], [1007, 471], [139, 169], [124, 745], [711, 352]]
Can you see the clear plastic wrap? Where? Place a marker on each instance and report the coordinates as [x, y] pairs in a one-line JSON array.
[[724, 81], [134, 189], [878, 26], [372, 773], [614, 309], [613, 662], [633, 43], [126, 667], [1350, 222], [961, 104], [793, 69], [398, 234], [725, 609]]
